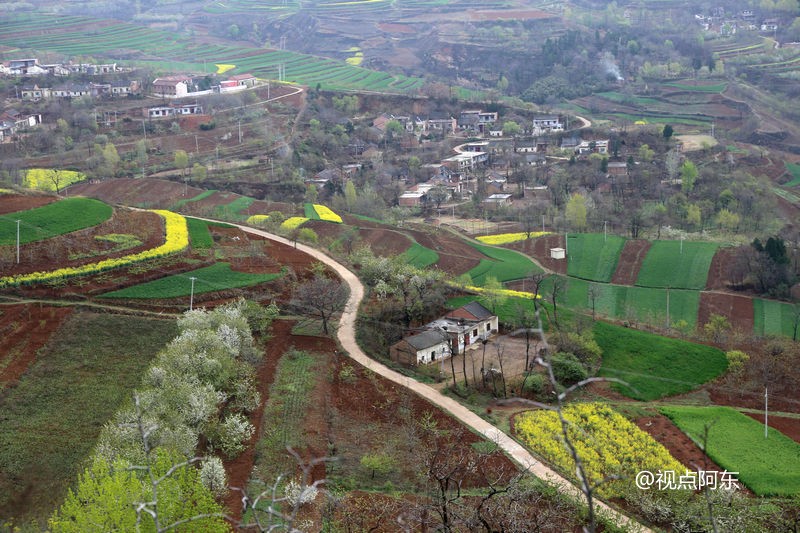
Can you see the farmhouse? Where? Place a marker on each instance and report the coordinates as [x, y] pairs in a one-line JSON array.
[[171, 86], [173, 110], [542, 125], [446, 336]]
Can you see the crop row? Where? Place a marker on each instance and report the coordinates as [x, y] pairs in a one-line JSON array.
[[177, 240]]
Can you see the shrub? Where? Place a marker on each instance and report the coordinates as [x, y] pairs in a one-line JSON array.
[[567, 369], [212, 475], [232, 434]]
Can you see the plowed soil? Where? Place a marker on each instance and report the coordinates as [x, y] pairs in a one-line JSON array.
[[630, 262], [11, 203], [541, 251], [147, 192], [718, 271], [679, 445], [25, 328], [455, 255], [788, 426], [738, 309]]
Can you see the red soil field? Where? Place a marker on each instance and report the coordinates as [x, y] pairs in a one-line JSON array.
[[541, 251], [11, 203], [455, 255], [788, 426], [738, 309], [680, 446], [630, 262], [24, 328]]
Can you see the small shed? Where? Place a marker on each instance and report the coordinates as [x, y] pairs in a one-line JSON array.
[[558, 253]]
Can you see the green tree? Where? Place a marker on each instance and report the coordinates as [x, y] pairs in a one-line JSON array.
[[181, 161], [688, 176], [350, 195], [199, 172], [727, 220], [381, 464], [667, 131], [576, 211], [646, 153], [108, 497], [511, 128], [110, 159], [693, 215]]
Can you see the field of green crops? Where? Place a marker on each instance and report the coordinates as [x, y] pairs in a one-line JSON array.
[[767, 466], [676, 265], [771, 317], [199, 236], [655, 366], [634, 304], [58, 218], [503, 264], [216, 277], [419, 256], [593, 256], [794, 170]]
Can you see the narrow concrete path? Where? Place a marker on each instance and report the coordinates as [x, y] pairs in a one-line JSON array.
[[347, 338]]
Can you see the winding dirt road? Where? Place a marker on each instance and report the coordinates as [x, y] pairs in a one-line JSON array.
[[347, 339]]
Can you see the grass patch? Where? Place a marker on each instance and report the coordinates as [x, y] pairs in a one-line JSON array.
[[202, 196], [199, 234], [52, 418], [289, 397], [216, 277], [713, 88], [233, 209], [786, 195], [771, 317], [655, 366], [503, 264], [670, 264], [58, 218], [794, 170], [594, 257], [768, 467], [420, 257]]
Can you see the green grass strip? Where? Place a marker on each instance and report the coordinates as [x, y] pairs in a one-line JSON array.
[[202, 196], [503, 264], [767, 466], [310, 212], [420, 257], [199, 235], [594, 256], [216, 277], [53, 416], [715, 88], [771, 317], [233, 209], [794, 170], [58, 218], [678, 265], [653, 365]]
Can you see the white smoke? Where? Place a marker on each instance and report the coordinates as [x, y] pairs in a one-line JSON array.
[[611, 67]]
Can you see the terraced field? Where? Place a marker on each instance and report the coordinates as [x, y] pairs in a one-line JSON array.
[[122, 42]]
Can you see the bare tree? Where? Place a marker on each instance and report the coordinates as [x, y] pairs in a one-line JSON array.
[[321, 298], [594, 293], [559, 286]]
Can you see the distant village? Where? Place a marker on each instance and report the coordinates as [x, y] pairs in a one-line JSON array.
[[451, 177]]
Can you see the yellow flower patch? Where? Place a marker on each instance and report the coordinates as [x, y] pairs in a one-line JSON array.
[[326, 214], [293, 223], [506, 238], [45, 179], [177, 240], [505, 292], [256, 220], [223, 68], [607, 443]]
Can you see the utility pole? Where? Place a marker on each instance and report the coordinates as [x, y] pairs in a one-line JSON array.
[[681, 244], [240, 131], [18, 221], [605, 232], [191, 294], [766, 411]]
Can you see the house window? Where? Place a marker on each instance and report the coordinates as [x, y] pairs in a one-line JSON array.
[[488, 327], [475, 333]]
